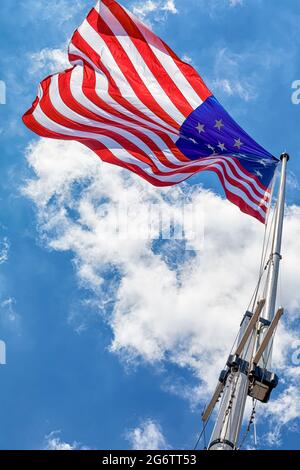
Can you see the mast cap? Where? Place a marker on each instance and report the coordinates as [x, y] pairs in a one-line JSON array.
[[284, 155]]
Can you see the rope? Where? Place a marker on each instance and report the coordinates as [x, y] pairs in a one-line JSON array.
[[201, 434], [251, 421]]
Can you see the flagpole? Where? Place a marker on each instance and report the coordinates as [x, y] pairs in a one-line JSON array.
[[241, 376], [276, 253]]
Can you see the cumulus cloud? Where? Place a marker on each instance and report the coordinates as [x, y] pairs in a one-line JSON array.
[[162, 302], [147, 436], [282, 412], [242, 72], [229, 78], [54, 442], [153, 10], [60, 11], [49, 61]]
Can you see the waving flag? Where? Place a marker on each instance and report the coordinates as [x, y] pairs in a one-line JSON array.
[[131, 100]]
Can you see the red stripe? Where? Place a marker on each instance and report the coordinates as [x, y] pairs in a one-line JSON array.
[[241, 178], [103, 152], [190, 74], [128, 69], [48, 108], [237, 200], [88, 88], [251, 175], [68, 99], [50, 111], [113, 88], [133, 149], [106, 155], [156, 67]]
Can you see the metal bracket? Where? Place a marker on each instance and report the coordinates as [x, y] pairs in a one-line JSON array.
[[207, 412], [268, 336], [250, 326]]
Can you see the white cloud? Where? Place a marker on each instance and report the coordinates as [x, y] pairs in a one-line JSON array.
[[162, 309], [49, 61], [54, 442], [148, 436], [60, 11], [185, 311], [282, 412], [153, 10], [234, 3], [229, 75], [8, 310], [186, 58], [292, 181], [244, 73], [4, 250]]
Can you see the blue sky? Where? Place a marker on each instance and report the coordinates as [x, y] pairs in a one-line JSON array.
[[88, 365]]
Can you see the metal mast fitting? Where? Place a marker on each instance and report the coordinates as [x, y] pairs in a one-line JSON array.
[[246, 372]]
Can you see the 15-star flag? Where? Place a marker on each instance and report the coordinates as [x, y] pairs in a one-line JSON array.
[[131, 100]]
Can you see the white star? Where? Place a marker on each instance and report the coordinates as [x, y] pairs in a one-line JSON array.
[[263, 162], [258, 173], [219, 124], [200, 128], [238, 143], [210, 147], [193, 140], [221, 146]]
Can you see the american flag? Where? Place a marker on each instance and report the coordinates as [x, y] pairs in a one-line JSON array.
[[131, 100]]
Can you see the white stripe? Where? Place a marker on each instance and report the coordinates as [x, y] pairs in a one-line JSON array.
[[123, 155], [239, 171], [141, 67], [76, 89], [81, 98], [98, 44], [237, 191], [67, 112], [252, 180], [168, 63], [76, 86], [181, 177], [114, 146], [244, 183], [117, 149], [63, 109], [102, 91], [133, 99]]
